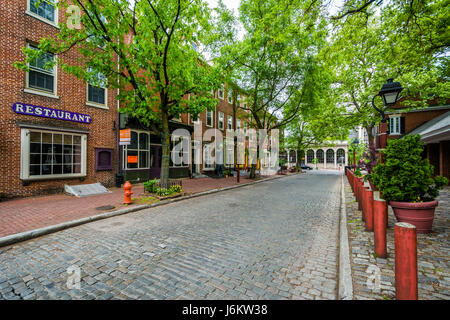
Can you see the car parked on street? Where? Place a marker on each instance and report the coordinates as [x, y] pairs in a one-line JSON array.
[[305, 167]]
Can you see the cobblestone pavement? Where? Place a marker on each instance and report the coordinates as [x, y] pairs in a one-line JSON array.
[[274, 240], [433, 255]]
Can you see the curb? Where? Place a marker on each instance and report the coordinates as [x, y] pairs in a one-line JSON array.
[[345, 271], [27, 235]]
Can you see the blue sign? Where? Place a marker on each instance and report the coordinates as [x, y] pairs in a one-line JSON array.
[[37, 111]]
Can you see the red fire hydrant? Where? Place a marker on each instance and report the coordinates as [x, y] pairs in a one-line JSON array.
[[127, 188]]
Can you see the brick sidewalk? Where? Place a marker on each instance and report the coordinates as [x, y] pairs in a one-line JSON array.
[[433, 254], [26, 214]]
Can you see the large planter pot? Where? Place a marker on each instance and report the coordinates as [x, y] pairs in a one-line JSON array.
[[372, 186], [420, 214]]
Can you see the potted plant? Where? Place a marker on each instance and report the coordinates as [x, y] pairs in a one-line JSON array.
[[406, 181]]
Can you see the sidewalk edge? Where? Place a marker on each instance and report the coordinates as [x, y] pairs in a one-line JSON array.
[[31, 234], [345, 271]]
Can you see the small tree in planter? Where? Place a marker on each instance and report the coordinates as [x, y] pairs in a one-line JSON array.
[[406, 181]]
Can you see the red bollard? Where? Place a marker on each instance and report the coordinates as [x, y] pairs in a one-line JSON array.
[[364, 202], [369, 209], [405, 261], [359, 193], [127, 194], [379, 226]]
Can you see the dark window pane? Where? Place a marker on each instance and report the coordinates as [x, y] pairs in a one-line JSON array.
[[35, 170], [143, 141], [67, 159], [67, 168], [76, 140], [68, 149], [77, 168], [134, 141], [143, 159], [46, 169], [57, 169], [57, 159], [35, 147], [46, 148], [40, 81], [96, 94], [35, 159], [77, 158], [57, 148], [76, 149]]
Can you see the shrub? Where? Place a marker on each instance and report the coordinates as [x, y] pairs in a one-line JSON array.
[[175, 189], [151, 185], [405, 176]]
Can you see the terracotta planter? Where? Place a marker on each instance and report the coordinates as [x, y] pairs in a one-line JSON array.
[[420, 215]]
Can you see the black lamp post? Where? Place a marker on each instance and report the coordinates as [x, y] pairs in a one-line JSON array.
[[355, 143], [390, 92]]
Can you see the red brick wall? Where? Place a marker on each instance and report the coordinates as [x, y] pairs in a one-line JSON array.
[[16, 29], [227, 109]]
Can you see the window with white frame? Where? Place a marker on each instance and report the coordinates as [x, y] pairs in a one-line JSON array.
[[221, 120], [45, 10], [136, 155], [40, 76], [183, 154], [229, 96], [221, 92], [209, 118], [229, 152], [394, 125], [230, 122], [51, 154], [238, 124], [97, 94], [245, 127]]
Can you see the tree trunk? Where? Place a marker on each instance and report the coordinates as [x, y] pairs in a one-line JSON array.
[[165, 140]]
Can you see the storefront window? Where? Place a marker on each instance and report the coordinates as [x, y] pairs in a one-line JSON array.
[[183, 154], [49, 154], [136, 155]]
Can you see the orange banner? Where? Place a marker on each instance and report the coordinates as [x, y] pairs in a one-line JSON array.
[[132, 159]]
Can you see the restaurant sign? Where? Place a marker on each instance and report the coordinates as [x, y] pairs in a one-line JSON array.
[[37, 111]]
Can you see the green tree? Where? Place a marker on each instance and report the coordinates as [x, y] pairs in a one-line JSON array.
[[156, 43], [270, 60], [370, 46]]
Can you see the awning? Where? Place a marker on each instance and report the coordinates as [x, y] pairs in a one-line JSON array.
[[435, 130]]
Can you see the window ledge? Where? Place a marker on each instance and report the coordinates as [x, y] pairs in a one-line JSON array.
[[97, 105], [54, 176], [34, 15], [40, 93]]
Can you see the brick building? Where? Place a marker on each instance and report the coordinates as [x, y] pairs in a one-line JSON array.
[[145, 149], [432, 123], [54, 128]]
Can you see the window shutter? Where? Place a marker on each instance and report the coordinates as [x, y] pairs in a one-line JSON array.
[[402, 125], [103, 159]]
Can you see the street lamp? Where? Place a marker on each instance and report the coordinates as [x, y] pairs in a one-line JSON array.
[[355, 143], [389, 92]]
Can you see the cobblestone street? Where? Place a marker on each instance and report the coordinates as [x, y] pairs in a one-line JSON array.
[[273, 240]]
